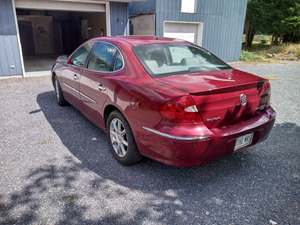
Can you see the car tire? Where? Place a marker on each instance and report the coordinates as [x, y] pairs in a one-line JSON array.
[[59, 94], [116, 125]]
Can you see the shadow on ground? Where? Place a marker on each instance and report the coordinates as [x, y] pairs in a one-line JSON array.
[[250, 187]]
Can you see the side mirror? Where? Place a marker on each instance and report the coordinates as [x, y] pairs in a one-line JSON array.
[[62, 59]]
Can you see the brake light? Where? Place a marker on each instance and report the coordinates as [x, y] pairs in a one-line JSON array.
[[265, 96], [181, 110]]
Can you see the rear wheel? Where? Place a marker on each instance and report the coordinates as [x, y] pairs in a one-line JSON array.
[[58, 93], [120, 136]]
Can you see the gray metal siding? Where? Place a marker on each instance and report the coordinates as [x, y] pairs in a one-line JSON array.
[[10, 62], [223, 23], [118, 18], [143, 7], [10, 59], [7, 22]]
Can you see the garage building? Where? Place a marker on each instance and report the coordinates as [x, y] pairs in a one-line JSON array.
[[34, 32], [217, 25]]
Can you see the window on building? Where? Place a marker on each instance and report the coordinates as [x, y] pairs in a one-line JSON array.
[[188, 6]]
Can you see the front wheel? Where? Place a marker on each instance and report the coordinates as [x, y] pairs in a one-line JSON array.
[[58, 93], [120, 136]]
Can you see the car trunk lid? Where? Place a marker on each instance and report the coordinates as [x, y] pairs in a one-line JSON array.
[[222, 97]]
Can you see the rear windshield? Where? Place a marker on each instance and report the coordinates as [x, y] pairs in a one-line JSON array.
[[168, 59]]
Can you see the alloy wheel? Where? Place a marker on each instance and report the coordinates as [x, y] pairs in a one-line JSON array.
[[118, 137]]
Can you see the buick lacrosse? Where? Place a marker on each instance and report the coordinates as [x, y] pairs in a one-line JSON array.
[[165, 99]]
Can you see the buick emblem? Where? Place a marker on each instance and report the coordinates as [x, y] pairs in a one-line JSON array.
[[243, 99]]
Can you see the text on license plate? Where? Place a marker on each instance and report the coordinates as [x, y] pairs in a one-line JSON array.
[[243, 141]]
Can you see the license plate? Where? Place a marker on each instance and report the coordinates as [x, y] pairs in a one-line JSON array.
[[243, 141]]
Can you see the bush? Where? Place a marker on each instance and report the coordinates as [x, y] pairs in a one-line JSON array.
[[264, 41], [298, 53], [291, 51], [251, 57], [271, 53]]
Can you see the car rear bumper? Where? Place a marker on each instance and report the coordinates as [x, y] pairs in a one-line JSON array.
[[187, 146]]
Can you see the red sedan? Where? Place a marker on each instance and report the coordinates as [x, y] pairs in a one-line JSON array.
[[165, 99]]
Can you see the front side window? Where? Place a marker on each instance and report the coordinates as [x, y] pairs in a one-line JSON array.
[[80, 55], [168, 59], [104, 58]]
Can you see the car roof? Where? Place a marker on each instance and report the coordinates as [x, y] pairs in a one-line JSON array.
[[135, 40]]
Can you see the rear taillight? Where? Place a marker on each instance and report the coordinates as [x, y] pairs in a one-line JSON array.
[[265, 96], [181, 110]]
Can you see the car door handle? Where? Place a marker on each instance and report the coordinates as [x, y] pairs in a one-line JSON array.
[[76, 77], [101, 87]]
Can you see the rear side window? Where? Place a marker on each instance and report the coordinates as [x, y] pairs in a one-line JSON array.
[[105, 58], [80, 55], [118, 61]]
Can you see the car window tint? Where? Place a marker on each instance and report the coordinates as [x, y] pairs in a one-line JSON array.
[[102, 57], [79, 57], [118, 61], [179, 53], [177, 58]]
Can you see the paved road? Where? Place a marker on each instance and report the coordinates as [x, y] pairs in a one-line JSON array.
[[55, 168]]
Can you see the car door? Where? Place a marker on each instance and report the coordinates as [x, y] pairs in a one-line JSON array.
[[70, 76], [104, 62]]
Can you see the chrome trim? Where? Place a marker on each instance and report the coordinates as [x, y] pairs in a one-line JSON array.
[[179, 138], [89, 98], [80, 93], [243, 99], [73, 89], [76, 77], [217, 118], [101, 87]]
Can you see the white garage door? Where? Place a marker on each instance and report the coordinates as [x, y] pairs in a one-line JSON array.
[[191, 32], [66, 5]]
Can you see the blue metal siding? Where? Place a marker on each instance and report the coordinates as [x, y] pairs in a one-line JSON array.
[[223, 23], [7, 22], [143, 7], [10, 62], [223, 27], [118, 18], [10, 58]]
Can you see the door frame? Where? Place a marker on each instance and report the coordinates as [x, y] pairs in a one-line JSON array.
[[62, 5], [18, 37], [27, 74], [200, 28]]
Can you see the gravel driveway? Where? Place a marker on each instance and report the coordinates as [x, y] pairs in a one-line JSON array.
[[56, 168]]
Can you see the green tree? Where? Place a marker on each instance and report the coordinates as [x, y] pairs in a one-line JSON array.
[[255, 10], [280, 18], [292, 25]]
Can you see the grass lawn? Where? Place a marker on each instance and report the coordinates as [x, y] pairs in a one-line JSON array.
[[263, 51]]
